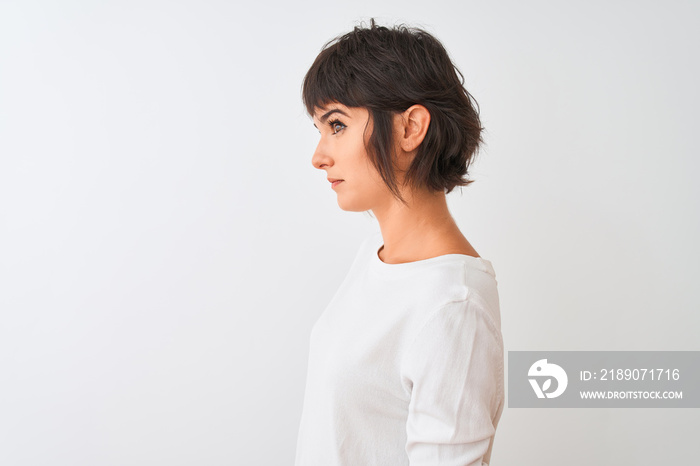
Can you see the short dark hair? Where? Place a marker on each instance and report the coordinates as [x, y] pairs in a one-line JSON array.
[[386, 71]]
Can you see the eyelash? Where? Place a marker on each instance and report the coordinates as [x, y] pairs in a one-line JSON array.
[[333, 123]]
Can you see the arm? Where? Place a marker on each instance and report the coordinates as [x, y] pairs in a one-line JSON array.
[[454, 369]]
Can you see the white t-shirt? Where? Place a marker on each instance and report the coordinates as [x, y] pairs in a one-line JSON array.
[[405, 365]]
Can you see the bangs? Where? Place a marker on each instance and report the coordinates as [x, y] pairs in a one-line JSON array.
[[330, 79]]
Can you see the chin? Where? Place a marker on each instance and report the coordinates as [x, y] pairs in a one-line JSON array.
[[350, 206]]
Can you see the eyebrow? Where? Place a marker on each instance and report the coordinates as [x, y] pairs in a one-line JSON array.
[[325, 116]]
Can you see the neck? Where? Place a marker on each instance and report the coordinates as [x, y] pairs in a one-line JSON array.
[[419, 230]]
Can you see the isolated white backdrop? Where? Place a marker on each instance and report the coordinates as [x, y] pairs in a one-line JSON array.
[[166, 245]]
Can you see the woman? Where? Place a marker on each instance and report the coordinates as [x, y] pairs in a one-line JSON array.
[[406, 362]]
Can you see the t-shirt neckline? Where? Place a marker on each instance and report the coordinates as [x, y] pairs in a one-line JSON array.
[[472, 261]]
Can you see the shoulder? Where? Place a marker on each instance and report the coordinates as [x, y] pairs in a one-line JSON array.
[[460, 339], [470, 315]]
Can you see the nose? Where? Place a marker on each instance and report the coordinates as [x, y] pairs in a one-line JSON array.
[[321, 159]]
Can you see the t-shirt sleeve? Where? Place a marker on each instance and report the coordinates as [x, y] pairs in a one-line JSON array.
[[454, 369]]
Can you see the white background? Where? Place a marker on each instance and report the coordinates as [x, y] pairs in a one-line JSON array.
[[166, 245]]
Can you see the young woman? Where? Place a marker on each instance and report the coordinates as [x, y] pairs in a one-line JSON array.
[[406, 362]]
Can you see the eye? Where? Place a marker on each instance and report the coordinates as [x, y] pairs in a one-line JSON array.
[[336, 126]]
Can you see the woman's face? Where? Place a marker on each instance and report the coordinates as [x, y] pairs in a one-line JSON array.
[[341, 153]]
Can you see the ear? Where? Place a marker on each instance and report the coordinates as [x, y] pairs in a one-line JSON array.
[[413, 125]]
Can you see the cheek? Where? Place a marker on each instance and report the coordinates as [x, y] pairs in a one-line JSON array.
[[371, 177]]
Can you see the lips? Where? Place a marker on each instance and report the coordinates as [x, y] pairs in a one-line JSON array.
[[335, 182]]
